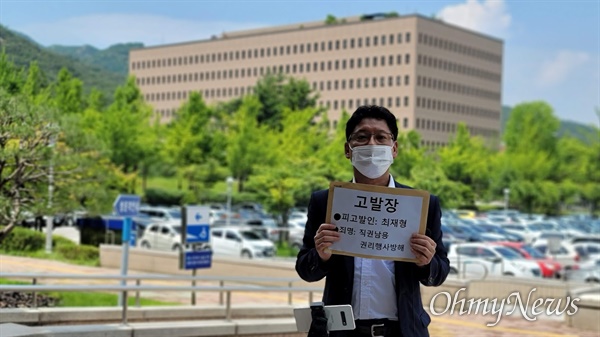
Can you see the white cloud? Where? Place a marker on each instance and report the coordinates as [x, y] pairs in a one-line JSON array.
[[488, 17], [556, 70], [103, 30]]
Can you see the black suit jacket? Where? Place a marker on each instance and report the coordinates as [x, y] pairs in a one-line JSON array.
[[339, 269]]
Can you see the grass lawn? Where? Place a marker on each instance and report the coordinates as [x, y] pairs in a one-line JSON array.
[[163, 183], [90, 299]]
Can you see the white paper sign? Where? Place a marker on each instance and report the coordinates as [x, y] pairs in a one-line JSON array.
[[376, 221]]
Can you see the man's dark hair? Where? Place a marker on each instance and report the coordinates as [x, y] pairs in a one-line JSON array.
[[372, 111]]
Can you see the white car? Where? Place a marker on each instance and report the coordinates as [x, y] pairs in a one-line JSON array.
[[588, 272], [499, 260], [171, 215], [162, 236], [565, 253], [298, 218], [240, 242]]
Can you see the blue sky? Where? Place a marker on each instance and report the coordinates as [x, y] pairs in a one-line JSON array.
[[551, 47]]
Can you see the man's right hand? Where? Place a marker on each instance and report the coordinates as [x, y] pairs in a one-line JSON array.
[[326, 235]]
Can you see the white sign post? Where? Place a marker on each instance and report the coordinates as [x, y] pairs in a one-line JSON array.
[[375, 221]]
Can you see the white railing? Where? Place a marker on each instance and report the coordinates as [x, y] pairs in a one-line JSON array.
[[223, 289]]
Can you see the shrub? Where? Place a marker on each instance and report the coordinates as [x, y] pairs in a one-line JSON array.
[[23, 240], [157, 196], [78, 252]]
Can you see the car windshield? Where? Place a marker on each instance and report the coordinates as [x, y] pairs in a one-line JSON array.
[[507, 253], [536, 254], [249, 235], [176, 214], [535, 227]]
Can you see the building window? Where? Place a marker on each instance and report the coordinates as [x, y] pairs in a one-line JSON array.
[[406, 79], [397, 102], [407, 58], [407, 37], [405, 101]]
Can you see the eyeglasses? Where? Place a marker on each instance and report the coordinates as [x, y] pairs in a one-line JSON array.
[[363, 138]]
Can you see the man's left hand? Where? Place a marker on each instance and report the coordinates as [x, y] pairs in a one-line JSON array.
[[423, 247]]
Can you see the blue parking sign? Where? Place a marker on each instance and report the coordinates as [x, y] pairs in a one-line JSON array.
[[127, 204], [195, 224]]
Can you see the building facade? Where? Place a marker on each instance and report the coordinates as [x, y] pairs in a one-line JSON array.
[[431, 75]]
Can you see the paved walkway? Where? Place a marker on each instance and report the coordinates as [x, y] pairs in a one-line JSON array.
[[445, 325]]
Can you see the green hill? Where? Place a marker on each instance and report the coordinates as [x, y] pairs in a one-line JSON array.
[[113, 58], [22, 51]]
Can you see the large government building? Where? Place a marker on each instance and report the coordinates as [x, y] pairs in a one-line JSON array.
[[430, 74]]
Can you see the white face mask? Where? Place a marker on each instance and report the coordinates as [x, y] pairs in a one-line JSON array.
[[372, 160]]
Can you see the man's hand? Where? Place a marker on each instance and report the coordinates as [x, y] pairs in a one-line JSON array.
[[326, 235], [423, 247]]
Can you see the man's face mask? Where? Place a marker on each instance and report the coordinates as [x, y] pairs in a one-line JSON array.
[[372, 160]]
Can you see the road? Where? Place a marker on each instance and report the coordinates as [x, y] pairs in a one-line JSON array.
[[444, 325]]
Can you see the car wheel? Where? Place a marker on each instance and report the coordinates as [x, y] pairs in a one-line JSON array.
[[509, 274], [246, 254], [592, 280], [453, 270], [146, 245], [176, 248]]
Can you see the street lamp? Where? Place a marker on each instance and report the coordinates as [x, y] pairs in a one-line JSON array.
[[229, 190], [506, 195], [49, 223]]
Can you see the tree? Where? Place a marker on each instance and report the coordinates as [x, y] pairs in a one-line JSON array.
[[68, 93], [330, 20], [124, 128], [195, 145], [276, 92], [467, 160], [26, 131], [531, 127], [247, 141]]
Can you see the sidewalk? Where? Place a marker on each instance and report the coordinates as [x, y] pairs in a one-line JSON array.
[[444, 325]]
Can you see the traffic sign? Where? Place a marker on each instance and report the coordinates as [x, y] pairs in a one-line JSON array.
[[195, 224], [196, 259], [127, 204]]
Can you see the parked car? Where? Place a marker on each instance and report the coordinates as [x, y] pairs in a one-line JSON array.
[[296, 234], [240, 242], [587, 250], [172, 215], [162, 236], [498, 260], [549, 267], [588, 272], [565, 253]]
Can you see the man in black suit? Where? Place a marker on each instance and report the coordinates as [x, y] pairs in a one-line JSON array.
[[385, 295]]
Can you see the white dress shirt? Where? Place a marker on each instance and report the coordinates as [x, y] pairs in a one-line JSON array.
[[374, 291]]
